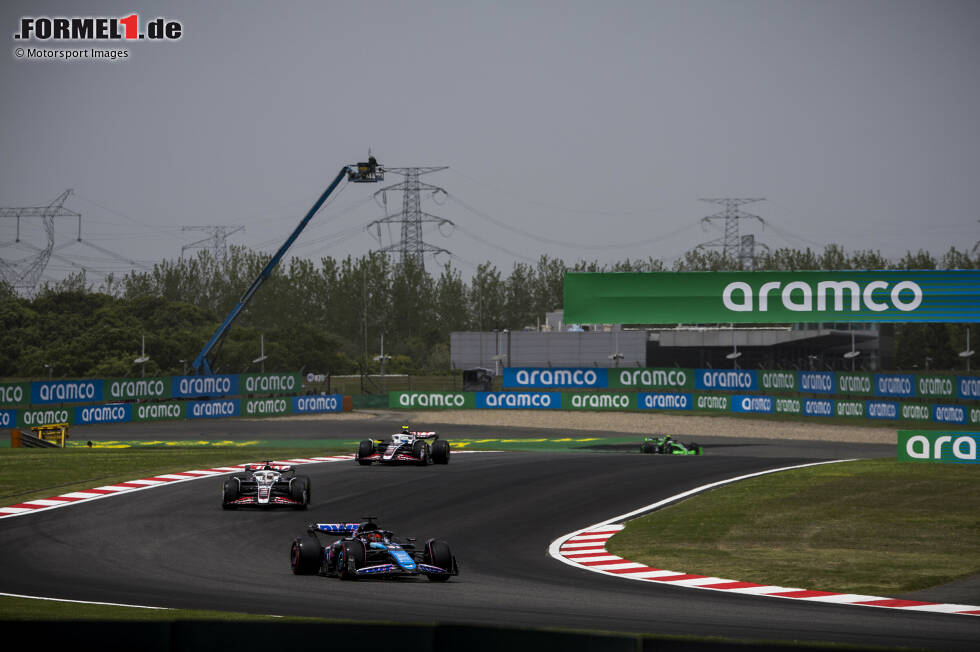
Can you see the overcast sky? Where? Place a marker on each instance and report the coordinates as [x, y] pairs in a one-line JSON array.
[[582, 130]]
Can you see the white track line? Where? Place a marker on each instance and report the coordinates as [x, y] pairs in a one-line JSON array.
[[586, 549], [76, 497]]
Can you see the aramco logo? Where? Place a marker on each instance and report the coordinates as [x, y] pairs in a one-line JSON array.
[[831, 296], [960, 447]]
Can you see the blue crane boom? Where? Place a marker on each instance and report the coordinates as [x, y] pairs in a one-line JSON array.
[[368, 172]]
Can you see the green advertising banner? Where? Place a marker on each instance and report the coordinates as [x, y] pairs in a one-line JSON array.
[[849, 409], [915, 412], [855, 383], [432, 400], [777, 381], [772, 297], [646, 378], [44, 416], [282, 383], [266, 407], [938, 386], [160, 411], [598, 401], [124, 389], [711, 402], [789, 406], [14, 394], [933, 446]]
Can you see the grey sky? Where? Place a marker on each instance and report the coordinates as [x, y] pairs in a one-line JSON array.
[[588, 123]]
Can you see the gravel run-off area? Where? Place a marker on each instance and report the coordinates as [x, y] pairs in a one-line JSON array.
[[632, 422]]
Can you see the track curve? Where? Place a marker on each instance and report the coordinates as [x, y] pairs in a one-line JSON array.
[[174, 547]]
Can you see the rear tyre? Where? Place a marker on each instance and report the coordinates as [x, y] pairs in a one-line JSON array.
[[366, 449], [437, 553], [300, 491], [440, 452], [647, 448], [229, 493], [350, 557], [696, 448], [305, 555]]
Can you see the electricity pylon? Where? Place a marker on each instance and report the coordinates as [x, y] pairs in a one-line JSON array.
[[25, 274], [733, 246], [411, 244], [217, 241]]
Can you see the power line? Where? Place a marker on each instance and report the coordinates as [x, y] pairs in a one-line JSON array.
[[217, 241]]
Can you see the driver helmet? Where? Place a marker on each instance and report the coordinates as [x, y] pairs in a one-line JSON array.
[[405, 430], [373, 536]]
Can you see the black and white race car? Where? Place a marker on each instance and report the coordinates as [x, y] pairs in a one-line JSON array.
[[405, 447], [364, 550], [267, 484]]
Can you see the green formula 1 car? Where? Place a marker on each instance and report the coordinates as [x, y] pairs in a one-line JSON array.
[[666, 445]]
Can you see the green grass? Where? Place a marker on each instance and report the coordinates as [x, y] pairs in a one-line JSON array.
[[35, 609], [30, 473], [877, 527]]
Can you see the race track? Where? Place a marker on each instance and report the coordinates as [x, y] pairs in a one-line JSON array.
[[174, 547]]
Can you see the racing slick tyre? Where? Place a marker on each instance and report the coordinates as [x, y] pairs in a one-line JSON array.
[[696, 448], [300, 491], [366, 449], [648, 448], [350, 557], [230, 492], [421, 450], [305, 555], [437, 553], [440, 452]]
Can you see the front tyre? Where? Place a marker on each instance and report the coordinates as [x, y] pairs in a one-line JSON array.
[[421, 450], [437, 553], [365, 450], [230, 492], [305, 555]]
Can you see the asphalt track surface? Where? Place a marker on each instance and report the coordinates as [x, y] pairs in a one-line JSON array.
[[174, 546]]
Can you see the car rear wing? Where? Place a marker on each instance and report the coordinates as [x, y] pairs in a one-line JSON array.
[[335, 528], [426, 435], [275, 466]]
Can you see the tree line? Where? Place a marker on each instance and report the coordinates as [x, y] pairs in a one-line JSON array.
[[330, 316]]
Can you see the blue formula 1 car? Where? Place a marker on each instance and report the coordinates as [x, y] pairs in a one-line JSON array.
[[365, 550]]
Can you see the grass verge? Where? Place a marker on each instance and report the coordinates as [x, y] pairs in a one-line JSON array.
[[35, 609], [877, 527], [30, 473]]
